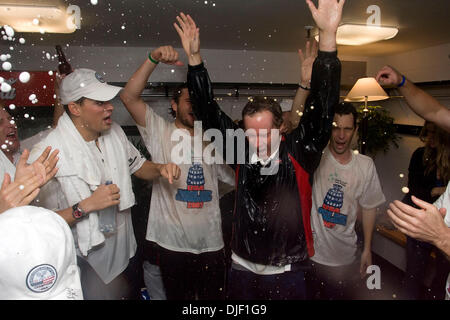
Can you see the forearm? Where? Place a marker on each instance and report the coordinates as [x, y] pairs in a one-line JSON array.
[[443, 243], [67, 214], [137, 82], [327, 41], [206, 108], [315, 125], [368, 222], [195, 59], [425, 105], [131, 94], [149, 171], [299, 104]]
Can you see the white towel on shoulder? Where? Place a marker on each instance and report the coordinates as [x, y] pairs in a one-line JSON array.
[[6, 166], [79, 174]]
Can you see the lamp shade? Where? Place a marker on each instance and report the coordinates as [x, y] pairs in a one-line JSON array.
[[366, 87]]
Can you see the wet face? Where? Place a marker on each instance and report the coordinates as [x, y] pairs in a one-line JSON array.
[[342, 133], [8, 133], [94, 116], [184, 114], [258, 128]]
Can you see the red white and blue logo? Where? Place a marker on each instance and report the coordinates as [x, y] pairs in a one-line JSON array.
[[41, 278], [195, 195]]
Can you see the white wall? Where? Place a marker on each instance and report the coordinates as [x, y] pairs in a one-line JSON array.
[[119, 63], [424, 65]]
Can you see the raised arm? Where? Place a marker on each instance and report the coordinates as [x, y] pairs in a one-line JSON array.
[[312, 134], [204, 106], [131, 94], [306, 63], [420, 102]]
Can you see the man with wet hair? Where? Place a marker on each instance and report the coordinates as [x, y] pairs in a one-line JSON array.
[[272, 239]]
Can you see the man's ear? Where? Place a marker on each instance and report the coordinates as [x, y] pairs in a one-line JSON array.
[[74, 109], [174, 105]]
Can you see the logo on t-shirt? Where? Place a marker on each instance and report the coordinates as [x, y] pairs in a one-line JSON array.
[[331, 207], [194, 195]]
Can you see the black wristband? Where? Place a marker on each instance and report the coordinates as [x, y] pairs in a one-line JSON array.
[[304, 88]]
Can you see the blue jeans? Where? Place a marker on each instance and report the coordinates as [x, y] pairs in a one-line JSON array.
[[246, 285]]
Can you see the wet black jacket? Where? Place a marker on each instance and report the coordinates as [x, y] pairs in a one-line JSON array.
[[271, 220]]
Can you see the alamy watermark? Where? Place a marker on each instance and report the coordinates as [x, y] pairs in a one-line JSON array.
[[374, 280], [74, 19], [260, 143]]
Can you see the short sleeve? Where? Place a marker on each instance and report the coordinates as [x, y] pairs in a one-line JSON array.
[[372, 195], [155, 125], [135, 158]]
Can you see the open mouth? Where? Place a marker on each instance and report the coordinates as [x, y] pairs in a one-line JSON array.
[[108, 120], [11, 136]]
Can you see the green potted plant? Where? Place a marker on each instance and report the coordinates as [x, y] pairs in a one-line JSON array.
[[380, 131]]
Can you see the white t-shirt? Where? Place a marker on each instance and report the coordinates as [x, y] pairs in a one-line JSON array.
[[444, 202], [184, 216], [337, 192], [112, 257]]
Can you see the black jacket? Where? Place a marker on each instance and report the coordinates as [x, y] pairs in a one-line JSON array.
[[271, 220]]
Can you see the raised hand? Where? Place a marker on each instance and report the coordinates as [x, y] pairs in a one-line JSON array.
[[44, 166], [328, 14], [388, 76], [20, 192], [189, 34], [307, 61], [327, 17], [170, 171], [167, 55]]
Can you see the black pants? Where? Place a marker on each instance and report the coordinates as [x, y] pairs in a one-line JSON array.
[[333, 283], [188, 276]]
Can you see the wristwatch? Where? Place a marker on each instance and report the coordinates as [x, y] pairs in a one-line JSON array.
[[77, 212]]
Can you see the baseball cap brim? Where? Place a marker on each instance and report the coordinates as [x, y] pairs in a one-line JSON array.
[[102, 92]]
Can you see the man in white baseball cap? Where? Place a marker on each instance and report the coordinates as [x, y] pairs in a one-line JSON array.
[[37, 256], [94, 176], [86, 83]]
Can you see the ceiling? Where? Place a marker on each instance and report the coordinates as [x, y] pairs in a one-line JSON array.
[[263, 25]]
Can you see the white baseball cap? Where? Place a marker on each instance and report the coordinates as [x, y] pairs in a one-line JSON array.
[[37, 256], [86, 83]]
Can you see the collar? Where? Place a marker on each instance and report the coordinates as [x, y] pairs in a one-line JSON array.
[[254, 157]]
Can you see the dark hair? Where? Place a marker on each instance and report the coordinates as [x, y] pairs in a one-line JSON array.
[[176, 97], [259, 104], [437, 158], [66, 106], [347, 108]]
